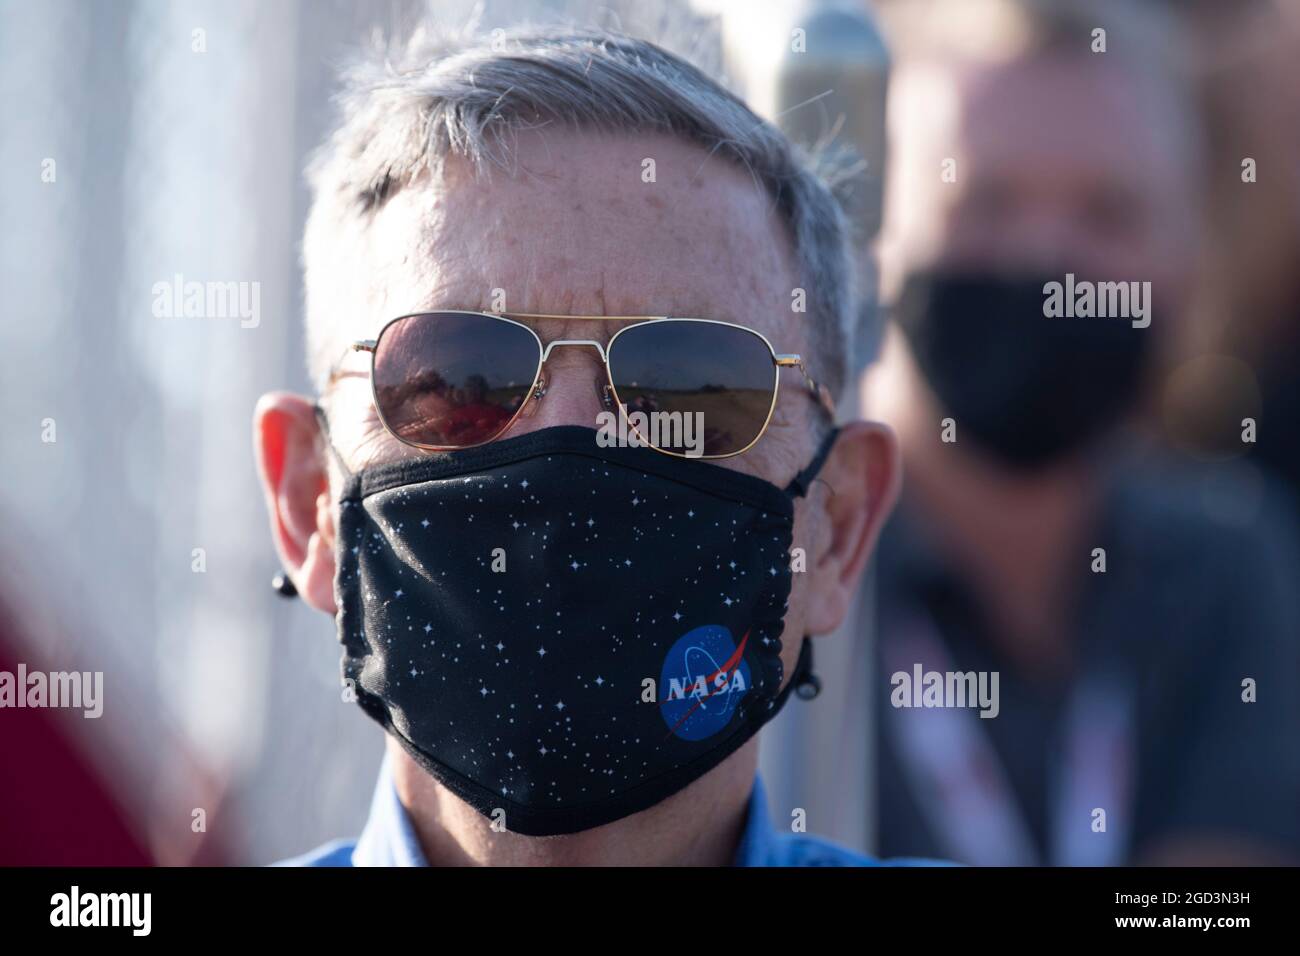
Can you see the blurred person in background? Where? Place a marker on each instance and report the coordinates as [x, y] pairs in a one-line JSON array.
[[1145, 646], [503, 601]]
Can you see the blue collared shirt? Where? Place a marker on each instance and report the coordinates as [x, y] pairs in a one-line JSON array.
[[389, 839]]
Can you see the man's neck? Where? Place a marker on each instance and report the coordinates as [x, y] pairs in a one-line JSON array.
[[698, 826]]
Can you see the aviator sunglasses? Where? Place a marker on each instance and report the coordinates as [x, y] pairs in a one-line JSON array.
[[450, 380]]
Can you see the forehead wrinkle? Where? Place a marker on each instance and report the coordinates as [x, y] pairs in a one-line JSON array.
[[718, 267]]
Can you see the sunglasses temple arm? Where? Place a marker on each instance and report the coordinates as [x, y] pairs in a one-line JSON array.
[[819, 392], [336, 370]]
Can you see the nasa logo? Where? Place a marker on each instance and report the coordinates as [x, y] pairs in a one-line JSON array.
[[703, 680]]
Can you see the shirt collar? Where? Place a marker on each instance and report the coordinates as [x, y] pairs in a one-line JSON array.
[[758, 844], [389, 837]]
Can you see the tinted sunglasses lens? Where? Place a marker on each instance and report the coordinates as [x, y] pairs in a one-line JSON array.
[[705, 388], [452, 379]]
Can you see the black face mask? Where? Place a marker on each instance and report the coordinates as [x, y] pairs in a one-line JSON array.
[[1028, 389], [564, 632]]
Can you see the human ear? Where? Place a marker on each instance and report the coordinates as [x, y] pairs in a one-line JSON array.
[[862, 475], [295, 483]]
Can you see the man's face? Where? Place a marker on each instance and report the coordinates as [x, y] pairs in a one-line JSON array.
[[576, 230], [1064, 163]]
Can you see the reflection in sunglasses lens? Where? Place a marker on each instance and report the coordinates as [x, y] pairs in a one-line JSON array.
[[685, 375], [452, 379]]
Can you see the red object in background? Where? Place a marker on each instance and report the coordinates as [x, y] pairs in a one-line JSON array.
[[54, 807]]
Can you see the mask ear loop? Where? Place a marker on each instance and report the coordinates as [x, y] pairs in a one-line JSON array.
[[283, 586], [281, 583], [801, 483], [805, 683]]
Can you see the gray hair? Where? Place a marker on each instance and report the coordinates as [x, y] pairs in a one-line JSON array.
[[471, 100]]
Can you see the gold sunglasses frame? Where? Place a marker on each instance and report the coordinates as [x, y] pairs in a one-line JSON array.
[[818, 392]]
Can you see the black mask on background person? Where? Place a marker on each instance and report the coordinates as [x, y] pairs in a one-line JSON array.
[[502, 607], [1027, 389]]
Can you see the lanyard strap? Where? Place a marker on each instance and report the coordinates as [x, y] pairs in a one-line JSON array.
[[962, 786]]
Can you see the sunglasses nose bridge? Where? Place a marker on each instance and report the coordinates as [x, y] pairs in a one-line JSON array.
[[600, 349], [602, 382]]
